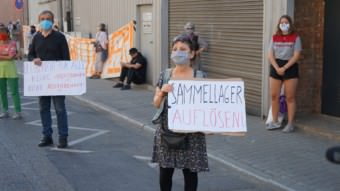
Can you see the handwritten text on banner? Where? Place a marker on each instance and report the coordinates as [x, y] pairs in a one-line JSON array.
[[207, 106], [54, 78]]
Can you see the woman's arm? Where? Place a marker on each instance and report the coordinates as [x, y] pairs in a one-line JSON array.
[[272, 60], [293, 60], [158, 97], [3, 57]]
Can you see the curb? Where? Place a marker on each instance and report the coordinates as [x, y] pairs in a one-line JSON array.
[[318, 132]]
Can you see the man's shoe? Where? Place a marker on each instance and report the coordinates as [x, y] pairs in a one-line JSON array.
[[16, 116], [62, 143], [273, 125], [118, 85], [95, 77], [4, 115], [288, 128], [46, 141], [333, 154], [126, 87]]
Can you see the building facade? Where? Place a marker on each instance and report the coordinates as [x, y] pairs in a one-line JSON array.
[[318, 24], [151, 28], [13, 11], [238, 34]]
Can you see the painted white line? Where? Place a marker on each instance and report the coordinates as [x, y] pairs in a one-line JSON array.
[[72, 143], [71, 150], [85, 129], [270, 181], [108, 110], [34, 123], [29, 103], [26, 108], [142, 157], [153, 165], [148, 159], [87, 137]]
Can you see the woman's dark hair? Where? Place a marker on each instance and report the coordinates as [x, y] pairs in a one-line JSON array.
[[102, 27], [184, 39], [292, 28]]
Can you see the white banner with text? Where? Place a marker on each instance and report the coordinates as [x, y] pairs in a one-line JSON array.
[[209, 106]]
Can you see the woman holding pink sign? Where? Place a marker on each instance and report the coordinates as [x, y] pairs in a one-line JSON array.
[[8, 74], [186, 151]]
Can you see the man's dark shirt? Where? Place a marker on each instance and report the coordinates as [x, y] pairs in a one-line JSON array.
[[52, 48], [140, 72]]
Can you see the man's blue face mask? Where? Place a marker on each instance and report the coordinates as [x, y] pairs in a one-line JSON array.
[[46, 25]]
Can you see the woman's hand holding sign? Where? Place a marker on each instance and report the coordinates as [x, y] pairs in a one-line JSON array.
[[166, 88]]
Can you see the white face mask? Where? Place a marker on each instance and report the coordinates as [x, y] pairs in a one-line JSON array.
[[180, 57], [284, 27]]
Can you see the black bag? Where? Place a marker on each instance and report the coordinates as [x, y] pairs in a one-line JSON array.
[[174, 141], [98, 47]]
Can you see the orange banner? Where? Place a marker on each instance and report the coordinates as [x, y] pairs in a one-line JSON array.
[[82, 49], [119, 44]]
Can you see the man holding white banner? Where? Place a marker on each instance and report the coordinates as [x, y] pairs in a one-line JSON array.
[[50, 45]]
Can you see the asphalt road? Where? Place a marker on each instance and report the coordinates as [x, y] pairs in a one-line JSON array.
[[105, 153]]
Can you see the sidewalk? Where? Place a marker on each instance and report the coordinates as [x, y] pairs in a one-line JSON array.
[[291, 161]]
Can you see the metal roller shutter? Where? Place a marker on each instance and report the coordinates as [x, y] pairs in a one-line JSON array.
[[234, 32]]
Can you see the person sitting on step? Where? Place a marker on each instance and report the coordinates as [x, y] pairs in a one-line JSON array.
[[134, 71]]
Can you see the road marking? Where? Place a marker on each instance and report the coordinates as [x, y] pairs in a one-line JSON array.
[[97, 132], [240, 169], [101, 132], [71, 150], [28, 103], [146, 158]]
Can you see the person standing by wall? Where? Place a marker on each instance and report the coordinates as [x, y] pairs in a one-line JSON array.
[[193, 158], [50, 45], [8, 74], [284, 52], [17, 28], [199, 44], [29, 37], [101, 46]]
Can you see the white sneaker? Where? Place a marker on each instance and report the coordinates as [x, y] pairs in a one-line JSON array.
[[273, 125], [288, 128], [4, 115], [16, 116]]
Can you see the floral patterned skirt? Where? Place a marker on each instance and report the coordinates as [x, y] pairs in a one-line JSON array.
[[194, 158]]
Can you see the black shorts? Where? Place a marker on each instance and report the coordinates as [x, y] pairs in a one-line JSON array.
[[291, 72]]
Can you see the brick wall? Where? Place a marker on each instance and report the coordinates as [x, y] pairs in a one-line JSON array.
[[309, 20]]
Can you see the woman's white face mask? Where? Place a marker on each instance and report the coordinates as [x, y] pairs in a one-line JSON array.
[[180, 57], [284, 27]]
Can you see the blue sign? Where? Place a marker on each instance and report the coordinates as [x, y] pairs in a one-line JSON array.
[[19, 4]]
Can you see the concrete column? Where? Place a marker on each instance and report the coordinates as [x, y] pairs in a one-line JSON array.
[[162, 59], [273, 10]]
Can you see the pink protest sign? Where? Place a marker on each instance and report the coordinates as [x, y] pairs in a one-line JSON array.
[[54, 78]]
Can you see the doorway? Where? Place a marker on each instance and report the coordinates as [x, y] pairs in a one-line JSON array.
[[146, 37], [331, 78]]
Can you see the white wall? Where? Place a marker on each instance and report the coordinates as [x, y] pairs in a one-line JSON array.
[[35, 7], [88, 14]]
